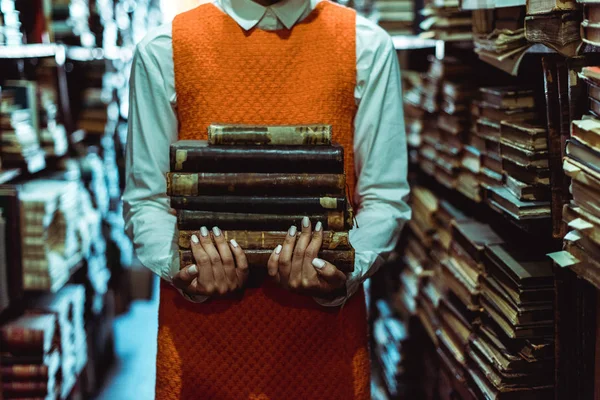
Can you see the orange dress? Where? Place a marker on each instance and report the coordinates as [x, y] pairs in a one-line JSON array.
[[268, 344]]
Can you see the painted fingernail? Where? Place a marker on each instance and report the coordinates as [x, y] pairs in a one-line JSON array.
[[234, 243], [278, 249], [216, 231], [318, 263], [195, 239], [305, 222], [192, 270], [318, 227], [204, 231], [292, 231]]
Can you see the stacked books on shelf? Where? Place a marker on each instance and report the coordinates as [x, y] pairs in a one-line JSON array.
[[499, 37], [68, 306], [556, 24], [590, 26], [53, 135], [511, 354], [254, 182], [391, 343], [395, 16], [19, 127], [30, 357], [444, 20], [50, 232], [582, 164]]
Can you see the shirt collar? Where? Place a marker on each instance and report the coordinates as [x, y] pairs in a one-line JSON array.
[[248, 14]]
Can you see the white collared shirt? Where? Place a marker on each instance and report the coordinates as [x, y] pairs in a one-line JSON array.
[[380, 153]]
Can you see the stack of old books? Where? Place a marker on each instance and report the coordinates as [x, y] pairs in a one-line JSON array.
[[499, 37], [554, 23], [68, 307], [395, 16], [254, 182], [590, 27], [444, 20], [511, 353], [30, 358], [582, 165], [50, 232], [19, 127], [391, 340], [414, 114]]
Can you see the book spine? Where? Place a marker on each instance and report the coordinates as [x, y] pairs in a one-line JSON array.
[[194, 184], [21, 372], [298, 159], [343, 260], [250, 240], [553, 114], [21, 340], [193, 220], [269, 135], [27, 389], [258, 204]]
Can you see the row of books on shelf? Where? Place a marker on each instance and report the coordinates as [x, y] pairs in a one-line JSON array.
[[491, 149], [486, 304]]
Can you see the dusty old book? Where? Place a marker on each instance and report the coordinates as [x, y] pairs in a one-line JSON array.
[[583, 154], [528, 135], [198, 156], [262, 240], [497, 113], [492, 162], [458, 283], [502, 199], [193, 220], [471, 159], [259, 204], [528, 175], [558, 30], [454, 124], [586, 223], [489, 178], [587, 131], [342, 259], [587, 266], [29, 335], [526, 331], [34, 372], [549, 6], [586, 197], [473, 236], [508, 97], [526, 192], [488, 129], [195, 184], [524, 157], [227, 134]]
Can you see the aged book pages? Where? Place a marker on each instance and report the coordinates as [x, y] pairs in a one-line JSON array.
[[225, 134], [259, 204], [195, 184], [559, 30], [342, 259], [268, 240]]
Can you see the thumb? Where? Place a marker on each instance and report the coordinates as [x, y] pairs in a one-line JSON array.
[[184, 278], [329, 272]]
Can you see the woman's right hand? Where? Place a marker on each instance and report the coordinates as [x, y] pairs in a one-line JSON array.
[[220, 268]]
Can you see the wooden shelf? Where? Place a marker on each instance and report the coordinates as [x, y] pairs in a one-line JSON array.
[[402, 42], [29, 51]]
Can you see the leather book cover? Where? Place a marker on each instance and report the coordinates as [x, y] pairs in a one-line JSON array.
[[259, 204], [227, 134]]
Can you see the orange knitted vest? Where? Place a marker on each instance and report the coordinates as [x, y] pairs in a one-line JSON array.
[[268, 343]]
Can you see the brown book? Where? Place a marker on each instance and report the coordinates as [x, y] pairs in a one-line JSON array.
[[525, 192], [198, 156], [34, 372], [590, 32], [591, 12], [549, 6], [488, 129], [473, 236], [527, 331], [527, 135], [259, 204], [577, 88], [508, 97], [253, 240], [501, 199], [29, 334], [573, 212], [587, 131], [343, 259], [528, 175], [226, 134], [195, 184], [454, 124], [583, 154], [558, 30], [492, 163], [524, 157], [193, 220]]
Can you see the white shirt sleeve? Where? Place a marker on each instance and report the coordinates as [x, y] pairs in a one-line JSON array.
[[380, 155], [153, 126]]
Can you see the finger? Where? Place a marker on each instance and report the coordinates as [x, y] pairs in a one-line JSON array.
[[198, 288], [273, 263], [184, 278], [285, 257], [215, 260], [241, 263], [198, 252], [226, 258], [329, 273], [295, 280], [309, 273]]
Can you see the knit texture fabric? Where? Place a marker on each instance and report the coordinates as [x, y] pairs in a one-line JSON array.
[[267, 343]]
